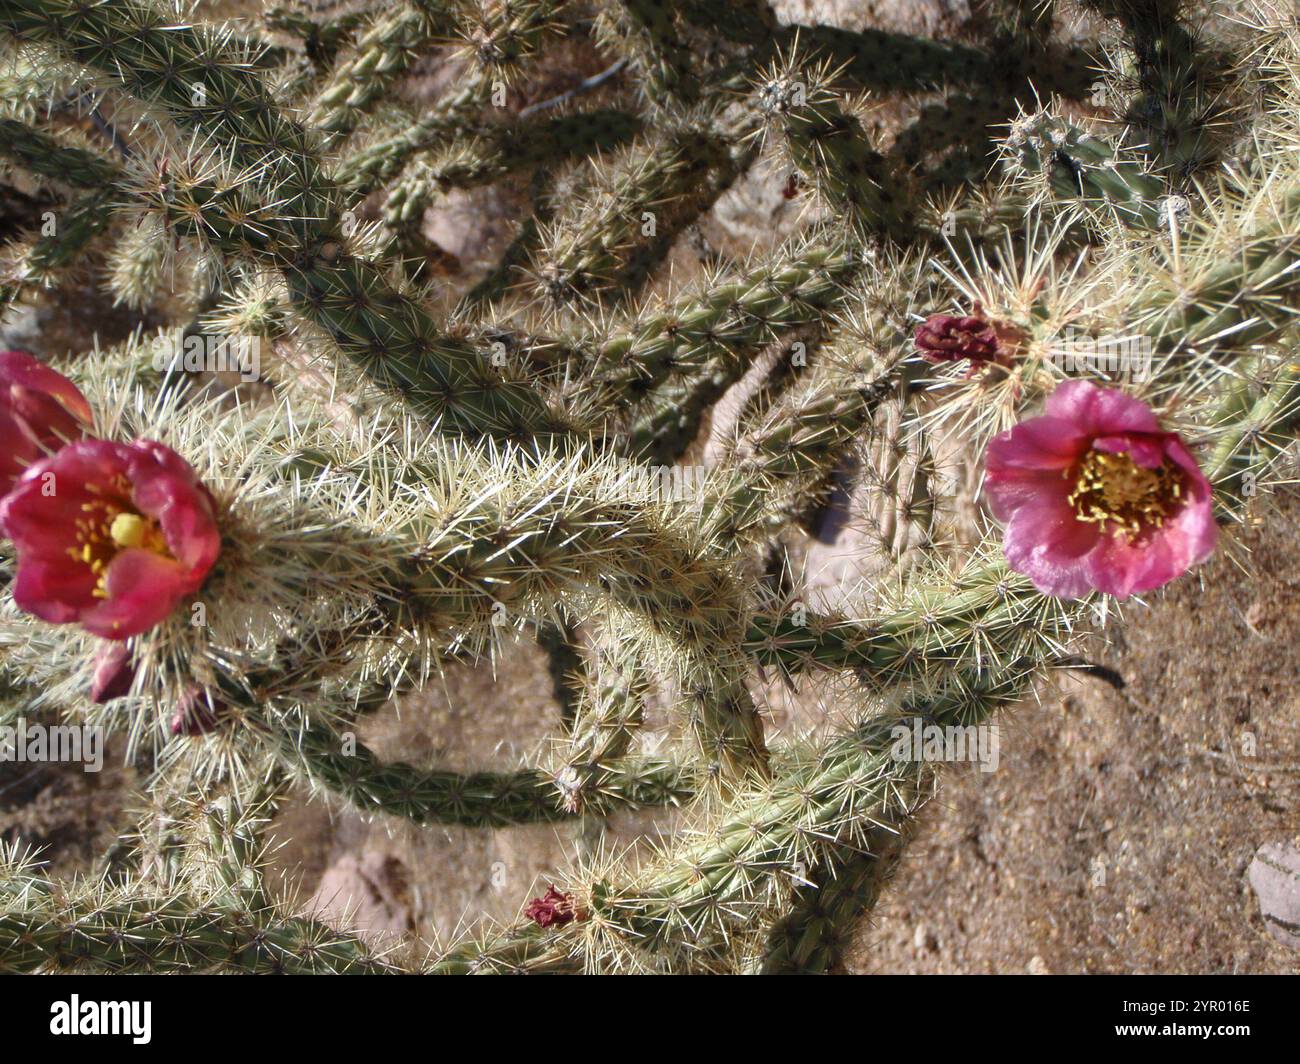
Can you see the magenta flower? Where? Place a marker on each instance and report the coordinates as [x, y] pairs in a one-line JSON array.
[[40, 411], [111, 536], [950, 338], [1096, 496]]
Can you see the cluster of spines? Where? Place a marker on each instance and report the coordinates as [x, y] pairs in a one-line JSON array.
[[611, 233], [1177, 95]]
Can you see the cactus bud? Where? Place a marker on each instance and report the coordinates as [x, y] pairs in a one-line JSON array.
[[552, 909], [949, 338], [114, 672], [196, 713]]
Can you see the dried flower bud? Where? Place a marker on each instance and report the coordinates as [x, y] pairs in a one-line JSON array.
[[552, 909], [950, 338]]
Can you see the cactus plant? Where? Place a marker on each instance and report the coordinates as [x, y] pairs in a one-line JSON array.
[[568, 444]]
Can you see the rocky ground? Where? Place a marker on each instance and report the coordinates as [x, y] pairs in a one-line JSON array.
[[1119, 831]]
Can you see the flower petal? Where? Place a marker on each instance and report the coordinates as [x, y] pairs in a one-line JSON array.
[[166, 489], [1146, 450], [27, 371], [54, 590], [1006, 490], [1123, 568], [1040, 443], [43, 526], [1050, 545], [1196, 485], [1099, 411], [143, 589]]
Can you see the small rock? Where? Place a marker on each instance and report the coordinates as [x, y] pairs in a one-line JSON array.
[[923, 941], [1037, 966], [369, 895], [1274, 875], [471, 227], [1261, 616]]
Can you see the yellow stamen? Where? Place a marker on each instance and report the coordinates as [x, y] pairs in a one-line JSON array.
[[129, 530], [109, 530], [1111, 488]]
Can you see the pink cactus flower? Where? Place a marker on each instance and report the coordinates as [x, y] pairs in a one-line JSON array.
[[1096, 496], [40, 411], [111, 536]]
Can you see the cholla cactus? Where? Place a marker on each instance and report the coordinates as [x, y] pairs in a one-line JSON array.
[[231, 560]]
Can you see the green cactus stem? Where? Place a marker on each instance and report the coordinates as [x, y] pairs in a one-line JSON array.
[[478, 799], [724, 321], [826, 907], [382, 54], [500, 150], [1082, 168], [44, 930]]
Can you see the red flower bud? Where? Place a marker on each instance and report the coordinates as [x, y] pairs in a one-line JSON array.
[[196, 713], [114, 671], [40, 411]]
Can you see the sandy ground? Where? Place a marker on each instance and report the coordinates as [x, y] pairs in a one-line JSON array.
[[1117, 831]]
